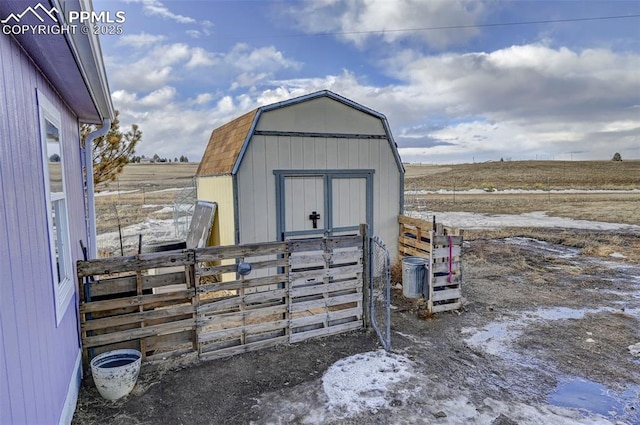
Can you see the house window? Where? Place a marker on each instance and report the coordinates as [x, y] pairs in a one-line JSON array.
[[56, 203]]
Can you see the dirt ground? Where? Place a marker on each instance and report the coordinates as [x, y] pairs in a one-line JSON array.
[[542, 338]]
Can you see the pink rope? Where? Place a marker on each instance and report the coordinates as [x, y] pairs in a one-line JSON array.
[[450, 259]]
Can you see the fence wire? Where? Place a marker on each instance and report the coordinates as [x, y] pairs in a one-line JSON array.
[[380, 291]]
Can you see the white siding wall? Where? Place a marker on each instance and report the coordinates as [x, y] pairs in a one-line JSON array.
[[256, 181], [321, 115]]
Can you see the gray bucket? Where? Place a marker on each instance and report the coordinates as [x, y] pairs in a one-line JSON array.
[[414, 275]]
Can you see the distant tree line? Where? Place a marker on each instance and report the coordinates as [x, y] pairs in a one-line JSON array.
[[156, 158]]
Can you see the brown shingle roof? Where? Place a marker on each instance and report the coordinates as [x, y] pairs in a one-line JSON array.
[[224, 146]]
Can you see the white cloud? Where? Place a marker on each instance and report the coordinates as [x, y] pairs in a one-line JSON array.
[[246, 58], [157, 8], [166, 63], [200, 57], [203, 98], [141, 40], [357, 21], [518, 102]]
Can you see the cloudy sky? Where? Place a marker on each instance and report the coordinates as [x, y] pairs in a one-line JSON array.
[[459, 81]]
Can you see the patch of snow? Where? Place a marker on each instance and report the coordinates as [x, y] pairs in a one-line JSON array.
[[496, 337], [361, 383], [617, 255], [164, 210], [171, 189], [478, 221], [356, 388], [559, 251], [152, 231], [116, 192], [635, 349]]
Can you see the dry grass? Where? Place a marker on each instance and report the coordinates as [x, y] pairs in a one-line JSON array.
[[149, 183], [396, 273], [592, 243], [528, 175], [606, 207], [150, 177], [130, 208]]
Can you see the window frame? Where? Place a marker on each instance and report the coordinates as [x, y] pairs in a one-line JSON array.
[[58, 226]]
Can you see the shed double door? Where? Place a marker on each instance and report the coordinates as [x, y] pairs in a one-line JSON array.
[[324, 203]]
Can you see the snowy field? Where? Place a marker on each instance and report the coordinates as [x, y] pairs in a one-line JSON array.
[[158, 230]]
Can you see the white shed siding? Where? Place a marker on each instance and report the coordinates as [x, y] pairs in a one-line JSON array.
[[321, 115], [256, 181], [349, 201], [306, 193]]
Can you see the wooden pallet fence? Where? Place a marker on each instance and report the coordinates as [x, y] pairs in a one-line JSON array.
[[249, 312], [143, 302], [177, 302], [325, 286], [442, 246]]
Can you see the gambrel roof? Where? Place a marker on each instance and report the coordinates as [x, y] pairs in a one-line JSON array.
[[228, 143]]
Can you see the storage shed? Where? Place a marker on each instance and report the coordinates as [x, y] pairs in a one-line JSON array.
[[304, 167]]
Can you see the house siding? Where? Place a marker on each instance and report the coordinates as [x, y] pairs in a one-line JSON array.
[[265, 153], [38, 357]]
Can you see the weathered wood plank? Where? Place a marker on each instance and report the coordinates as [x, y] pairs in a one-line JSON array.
[[233, 251], [344, 242], [415, 222], [456, 279], [414, 243], [129, 283], [324, 302], [237, 301], [317, 259], [444, 240], [246, 283], [407, 250], [305, 245], [169, 341], [346, 257], [236, 332], [128, 335], [247, 315], [439, 253], [331, 330], [320, 259], [137, 317], [303, 291], [231, 268], [170, 354], [456, 266], [326, 316], [320, 274], [447, 294], [446, 307], [253, 346], [137, 301], [134, 263]]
